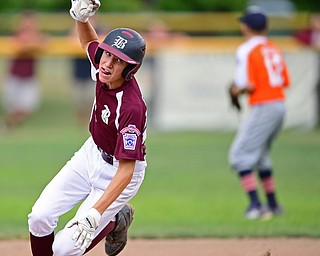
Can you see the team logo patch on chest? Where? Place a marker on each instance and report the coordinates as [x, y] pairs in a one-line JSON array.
[[105, 114], [130, 135]]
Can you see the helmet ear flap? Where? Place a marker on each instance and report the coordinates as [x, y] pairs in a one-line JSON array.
[[129, 71], [98, 55]]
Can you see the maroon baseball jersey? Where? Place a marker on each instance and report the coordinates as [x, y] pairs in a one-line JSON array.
[[23, 67], [118, 119]]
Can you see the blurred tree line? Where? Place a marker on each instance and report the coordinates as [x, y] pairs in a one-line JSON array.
[[147, 5]]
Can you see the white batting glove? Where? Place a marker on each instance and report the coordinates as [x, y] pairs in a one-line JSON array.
[[86, 227], [82, 10]]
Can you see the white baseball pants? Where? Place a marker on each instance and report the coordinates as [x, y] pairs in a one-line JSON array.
[[84, 178]]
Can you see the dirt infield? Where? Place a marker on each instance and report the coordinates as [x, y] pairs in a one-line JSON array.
[[194, 247]]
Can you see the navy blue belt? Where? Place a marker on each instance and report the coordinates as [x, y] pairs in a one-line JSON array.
[[106, 156]]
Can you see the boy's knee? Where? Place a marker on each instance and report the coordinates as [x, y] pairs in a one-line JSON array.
[[64, 245], [40, 224]]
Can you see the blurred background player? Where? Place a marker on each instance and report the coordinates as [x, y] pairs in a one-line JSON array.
[[311, 37], [21, 92], [82, 84], [261, 73], [159, 37]]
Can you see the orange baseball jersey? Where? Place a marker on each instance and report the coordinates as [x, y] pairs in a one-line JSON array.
[[261, 65]]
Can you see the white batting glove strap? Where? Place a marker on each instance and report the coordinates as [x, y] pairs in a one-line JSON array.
[[82, 10], [86, 227]]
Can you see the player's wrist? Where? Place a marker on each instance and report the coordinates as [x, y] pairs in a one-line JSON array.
[[235, 90], [76, 17], [96, 216]]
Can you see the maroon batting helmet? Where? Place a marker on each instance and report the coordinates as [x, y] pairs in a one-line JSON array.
[[127, 45]]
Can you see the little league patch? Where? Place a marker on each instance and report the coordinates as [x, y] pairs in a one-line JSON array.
[[130, 135]]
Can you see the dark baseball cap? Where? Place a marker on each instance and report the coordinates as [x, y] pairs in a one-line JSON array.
[[255, 18]]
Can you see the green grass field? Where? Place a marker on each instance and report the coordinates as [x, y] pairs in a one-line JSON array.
[[189, 189]]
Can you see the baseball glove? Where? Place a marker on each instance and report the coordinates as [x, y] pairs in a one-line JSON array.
[[234, 98]]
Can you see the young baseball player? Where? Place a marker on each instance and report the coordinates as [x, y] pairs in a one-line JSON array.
[[261, 73], [21, 88], [107, 171]]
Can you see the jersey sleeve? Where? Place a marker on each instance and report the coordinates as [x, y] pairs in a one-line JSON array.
[[241, 78], [91, 52], [130, 140]]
